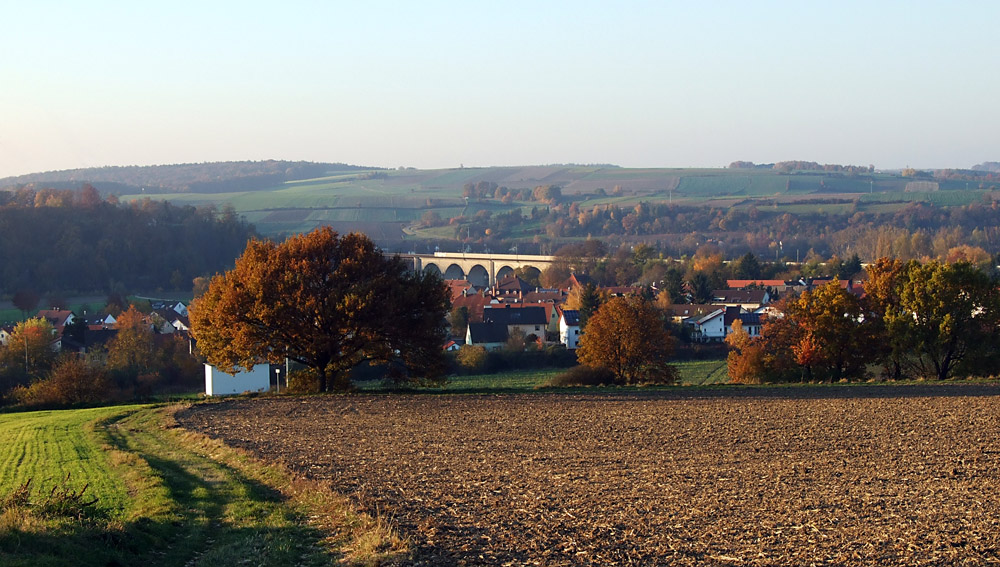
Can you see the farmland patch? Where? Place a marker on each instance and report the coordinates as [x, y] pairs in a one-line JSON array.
[[774, 476]]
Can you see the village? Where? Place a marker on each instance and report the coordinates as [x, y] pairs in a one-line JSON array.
[[511, 313]]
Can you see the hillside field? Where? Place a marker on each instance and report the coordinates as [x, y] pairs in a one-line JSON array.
[[390, 203]]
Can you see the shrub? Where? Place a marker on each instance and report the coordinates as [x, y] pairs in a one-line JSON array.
[[71, 381], [472, 357], [303, 382], [584, 376]]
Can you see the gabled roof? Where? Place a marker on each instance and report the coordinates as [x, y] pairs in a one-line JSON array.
[[457, 288], [474, 303], [480, 333], [57, 317], [706, 318], [686, 310], [518, 316], [571, 317], [513, 284], [577, 280]]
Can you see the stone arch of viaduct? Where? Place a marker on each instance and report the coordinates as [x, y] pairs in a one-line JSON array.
[[479, 269]]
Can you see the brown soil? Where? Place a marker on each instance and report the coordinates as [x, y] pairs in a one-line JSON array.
[[843, 476]]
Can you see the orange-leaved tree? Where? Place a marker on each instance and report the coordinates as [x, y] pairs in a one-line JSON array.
[[327, 302], [626, 336]]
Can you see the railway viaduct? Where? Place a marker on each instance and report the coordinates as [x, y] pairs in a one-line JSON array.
[[479, 269]]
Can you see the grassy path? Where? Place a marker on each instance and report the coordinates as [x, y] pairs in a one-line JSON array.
[[164, 497]]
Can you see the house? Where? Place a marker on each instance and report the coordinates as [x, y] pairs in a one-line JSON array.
[[751, 322], [681, 312], [529, 320], [710, 327], [717, 325], [511, 285], [474, 303], [451, 346], [491, 336], [458, 288], [569, 328], [59, 318], [551, 313], [5, 332]]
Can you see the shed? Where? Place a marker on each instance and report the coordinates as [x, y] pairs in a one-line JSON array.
[[219, 383]]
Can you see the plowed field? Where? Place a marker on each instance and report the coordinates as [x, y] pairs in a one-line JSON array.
[[842, 475]]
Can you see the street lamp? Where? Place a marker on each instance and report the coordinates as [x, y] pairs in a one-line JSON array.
[[277, 380]]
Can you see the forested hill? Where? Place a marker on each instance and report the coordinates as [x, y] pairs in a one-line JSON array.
[[73, 241], [216, 177]]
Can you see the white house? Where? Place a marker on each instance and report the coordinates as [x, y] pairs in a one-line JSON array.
[[711, 327], [218, 383], [569, 328]]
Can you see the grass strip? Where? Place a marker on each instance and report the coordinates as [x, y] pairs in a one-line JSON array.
[[166, 496]]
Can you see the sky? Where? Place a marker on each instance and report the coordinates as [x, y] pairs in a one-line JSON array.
[[447, 84]]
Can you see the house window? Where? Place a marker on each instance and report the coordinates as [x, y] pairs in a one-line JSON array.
[[537, 328]]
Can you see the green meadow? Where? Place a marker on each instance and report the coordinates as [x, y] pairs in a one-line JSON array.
[[123, 486]]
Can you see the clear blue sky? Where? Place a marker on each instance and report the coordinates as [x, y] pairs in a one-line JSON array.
[[438, 84]]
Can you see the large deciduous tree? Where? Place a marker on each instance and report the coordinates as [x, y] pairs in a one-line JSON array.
[[327, 302], [948, 314], [626, 336], [29, 353], [132, 352]]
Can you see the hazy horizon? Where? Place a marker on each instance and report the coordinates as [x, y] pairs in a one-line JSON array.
[[439, 85]]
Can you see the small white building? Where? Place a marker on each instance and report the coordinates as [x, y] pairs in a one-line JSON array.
[[219, 383]]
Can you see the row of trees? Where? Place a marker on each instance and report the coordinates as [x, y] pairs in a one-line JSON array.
[[916, 320]]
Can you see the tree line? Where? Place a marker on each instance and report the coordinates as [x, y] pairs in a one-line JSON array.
[[75, 241]]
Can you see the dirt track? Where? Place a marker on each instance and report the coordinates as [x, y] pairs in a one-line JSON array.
[[845, 476]]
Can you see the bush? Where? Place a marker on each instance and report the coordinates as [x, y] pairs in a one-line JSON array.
[[71, 381], [303, 382], [584, 376], [471, 358]]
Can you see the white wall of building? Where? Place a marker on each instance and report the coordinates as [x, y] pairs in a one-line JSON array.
[[218, 383]]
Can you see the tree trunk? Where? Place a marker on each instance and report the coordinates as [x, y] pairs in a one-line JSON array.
[[321, 375]]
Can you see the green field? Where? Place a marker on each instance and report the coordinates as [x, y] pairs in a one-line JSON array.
[[120, 486], [401, 197]]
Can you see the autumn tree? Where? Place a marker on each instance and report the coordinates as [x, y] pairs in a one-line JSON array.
[[883, 313], [833, 336], [949, 314], [327, 302], [745, 361], [131, 352], [29, 353], [626, 336]]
